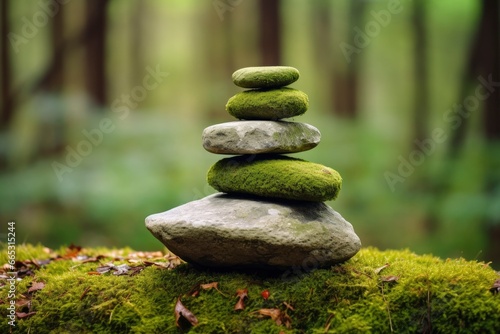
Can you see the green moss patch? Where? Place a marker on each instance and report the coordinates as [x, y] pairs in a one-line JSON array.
[[376, 291], [269, 104], [275, 176], [265, 76]]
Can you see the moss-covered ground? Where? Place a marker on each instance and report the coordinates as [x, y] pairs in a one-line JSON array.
[[69, 291]]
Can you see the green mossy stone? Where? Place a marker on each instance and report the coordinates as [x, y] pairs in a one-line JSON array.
[[275, 177], [270, 104], [265, 76]]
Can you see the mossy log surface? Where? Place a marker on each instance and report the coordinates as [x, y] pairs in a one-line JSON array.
[[375, 291]]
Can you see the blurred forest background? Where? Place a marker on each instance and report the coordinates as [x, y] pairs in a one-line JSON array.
[[95, 135]]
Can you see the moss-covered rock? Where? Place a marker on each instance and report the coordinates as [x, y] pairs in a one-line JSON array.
[[412, 294], [271, 104], [265, 76], [275, 176]]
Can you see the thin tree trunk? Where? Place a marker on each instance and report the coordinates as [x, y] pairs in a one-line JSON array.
[[270, 32], [95, 51], [136, 34], [490, 68], [421, 105], [346, 80], [7, 110]]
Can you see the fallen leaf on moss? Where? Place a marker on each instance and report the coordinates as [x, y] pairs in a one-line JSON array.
[[378, 270], [277, 315], [208, 286], [121, 269], [36, 286], [23, 302], [181, 311], [87, 259], [389, 278], [22, 315], [104, 269], [71, 252], [241, 294], [195, 290]]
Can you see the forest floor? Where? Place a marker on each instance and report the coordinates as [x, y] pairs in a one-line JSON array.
[[102, 290]]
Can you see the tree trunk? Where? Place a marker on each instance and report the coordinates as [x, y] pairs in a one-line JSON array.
[[270, 32], [7, 110], [489, 67], [346, 78], [95, 51], [484, 63], [421, 105], [136, 46]]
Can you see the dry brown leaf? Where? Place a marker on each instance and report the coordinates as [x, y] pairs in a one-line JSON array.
[[23, 302], [36, 286], [378, 270], [389, 278], [241, 294], [22, 315], [181, 311], [72, 251], [208, 286], [279, 317]]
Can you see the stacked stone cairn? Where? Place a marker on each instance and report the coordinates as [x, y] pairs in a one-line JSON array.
[[270, 212]]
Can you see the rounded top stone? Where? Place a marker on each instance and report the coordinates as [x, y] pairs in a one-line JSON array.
[[265, 76]]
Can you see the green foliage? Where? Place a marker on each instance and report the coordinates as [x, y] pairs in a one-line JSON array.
[[430, 294], [275, 176]]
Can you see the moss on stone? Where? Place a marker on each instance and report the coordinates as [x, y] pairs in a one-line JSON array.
[[270, 104], [265, 76], [275, 176], [430, 295]]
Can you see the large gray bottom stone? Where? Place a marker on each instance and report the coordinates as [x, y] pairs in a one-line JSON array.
[[224, 230], [255, 137]]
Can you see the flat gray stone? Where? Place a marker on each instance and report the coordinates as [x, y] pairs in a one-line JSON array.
[[224, 230], [265, 76], [254, 137]]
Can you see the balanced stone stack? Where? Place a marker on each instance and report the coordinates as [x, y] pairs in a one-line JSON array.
[[270, 212]]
